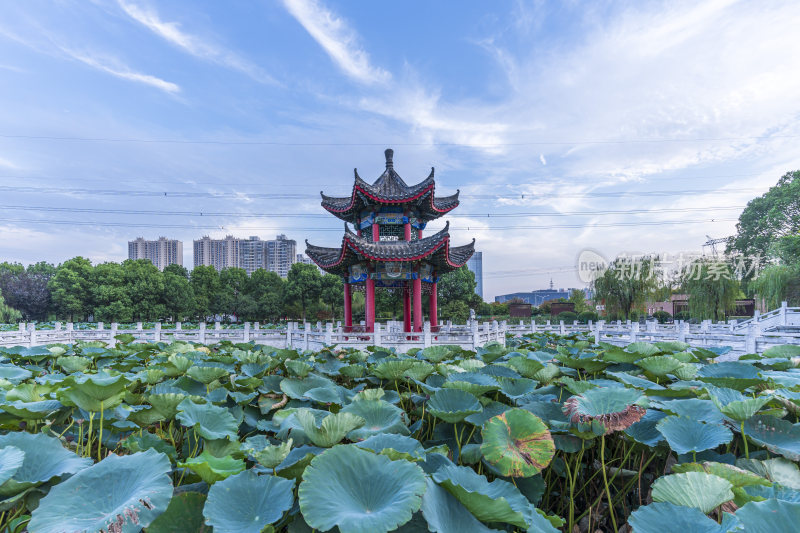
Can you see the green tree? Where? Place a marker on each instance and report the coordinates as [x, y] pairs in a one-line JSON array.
[[71, 288], [178, 270], [332, 292], [303, 285], [457, 286], [626, 284], [778, 283], [110, 297], [26, 290], [234, 299], [711, 288], [578, 297], [145, 286], [7, 313], [178, 296], [266, 290], [768, 218], [205, 286]]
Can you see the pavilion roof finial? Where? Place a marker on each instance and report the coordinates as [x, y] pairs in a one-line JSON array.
[[389, 153]]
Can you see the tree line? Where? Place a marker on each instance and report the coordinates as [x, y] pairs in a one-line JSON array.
[[135, 290]]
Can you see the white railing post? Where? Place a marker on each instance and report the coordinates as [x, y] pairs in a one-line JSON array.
[[475, 340], [201, 337], [69, 333], [750, 339], [246, 332], [561, 329], [634, 331], [111, 340], [23, 327], [306, 330], [377, 337], [256, 325], [597, 332], [31, 334], [329, 333], [682, 328], [58, 326], [178, 326], [138, 326], [426, 334], [157, 332], [289, 334], [100, 326], [783, 318]]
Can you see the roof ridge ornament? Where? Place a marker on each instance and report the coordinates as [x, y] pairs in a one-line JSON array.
[[389, 153]]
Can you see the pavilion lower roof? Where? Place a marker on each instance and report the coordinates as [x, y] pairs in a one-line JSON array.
[[434, 249]]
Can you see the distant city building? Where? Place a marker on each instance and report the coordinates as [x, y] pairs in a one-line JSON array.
[[538, 297], [307, 261], [249, 254], [161, 253], [475, 264]]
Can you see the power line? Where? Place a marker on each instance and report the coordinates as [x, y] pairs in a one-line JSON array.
[[201, 213], [225, 142]]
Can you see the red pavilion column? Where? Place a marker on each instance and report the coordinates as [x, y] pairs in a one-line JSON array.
[[407, 227], [376, 230], [434, 311], [406, 309], [348, 306], [369, 304], [417, 304]]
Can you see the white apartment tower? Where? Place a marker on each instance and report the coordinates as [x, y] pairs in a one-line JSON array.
[[250, 254], [161, 253], [475, 264]]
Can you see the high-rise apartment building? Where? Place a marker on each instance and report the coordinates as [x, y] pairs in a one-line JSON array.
[[475, 264], [250, 254], [161, 253]]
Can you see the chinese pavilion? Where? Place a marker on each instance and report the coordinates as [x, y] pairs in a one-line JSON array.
[[387, 249]]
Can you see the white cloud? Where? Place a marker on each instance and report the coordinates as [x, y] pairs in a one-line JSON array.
[[121, 71], [336, 37], [542, 159], [172, 32]]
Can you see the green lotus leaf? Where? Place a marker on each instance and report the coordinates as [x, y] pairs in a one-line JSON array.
[[73, 363], [526, 367], [184, 513], [379, 417], [13, 373], [615, 354], [206, 374], [575, 386], [778, 470], [247, 502], [353, 371], [11, 459], [471, 365], [453, 405], [32, 410], [730, 374], [547, 374], [490, 410], [686, 371], [695, 408], [514, 388], [208, 420], [685, 435], [693, 489], [359, 491], [775, 434], [496, 501], [738, 477], [331, 430], [643, 348], [146, 441], [773, 491], [296, 462], [445, 514], [420, 370], [635, 381], [471, 382], [180, 362], [394, 446], [93, 392], [614, 407], [586, 361], [769, 516], [127, 491], [151, 376], [267, 454], [736, 405], [653, 518], [491, 351], [212, 469], [297, 388], [517, 443], [166, 404], [297, 368], [783, 350], [437, 354], [659, 365], [324, 395], [392, 369], [45, 458], [645, 431], [672, 346]]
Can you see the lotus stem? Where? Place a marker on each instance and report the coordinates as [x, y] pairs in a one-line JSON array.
[[458, 441], [744, 439], [89, 436], [100, 437], [605, 482]]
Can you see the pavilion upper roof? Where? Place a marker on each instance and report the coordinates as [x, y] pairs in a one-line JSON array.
[[434, 249], [390, 189]]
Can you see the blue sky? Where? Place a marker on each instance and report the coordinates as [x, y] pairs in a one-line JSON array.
[[557, 112]]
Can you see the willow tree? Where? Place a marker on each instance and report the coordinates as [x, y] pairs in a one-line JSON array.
[[626, 284], [7, 313], [711, 287], [778, 283]]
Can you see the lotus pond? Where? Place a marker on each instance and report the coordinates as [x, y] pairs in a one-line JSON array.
[[547, 434]]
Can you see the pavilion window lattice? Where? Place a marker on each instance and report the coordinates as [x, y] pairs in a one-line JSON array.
[[391, 232]]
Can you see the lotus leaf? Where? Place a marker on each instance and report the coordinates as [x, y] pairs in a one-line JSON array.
[[212, 469], [615, 408], [206, 374], [208, 420], [654, 517], [93, 392], [332, 429], [297, 388], [783, 350], [526, 367], [736, 405], [694, 408], [392, 369], [145, 441], [295, 463], [645, 431], [32, 410], [74, 363], [45, 458], [166, 404], [730, 374], [473, 383], [379, 417], [437, 354], [359, 491], [496, 501], [777, 435], [445, 514], [514, 388], [297, 368], [769, 516], [659, 365], [686, 435], [394, 447], [267, 455], [247, 502], [11, 459], [644, 348], [517, 443], [184, 513], [778, 470], [635, 381], [693, 489], [127, 491], [738, 477], [453, 405], [489, 410]]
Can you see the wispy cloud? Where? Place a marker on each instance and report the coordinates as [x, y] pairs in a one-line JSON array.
[[338, 39], [192, 44], [121, 71]]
